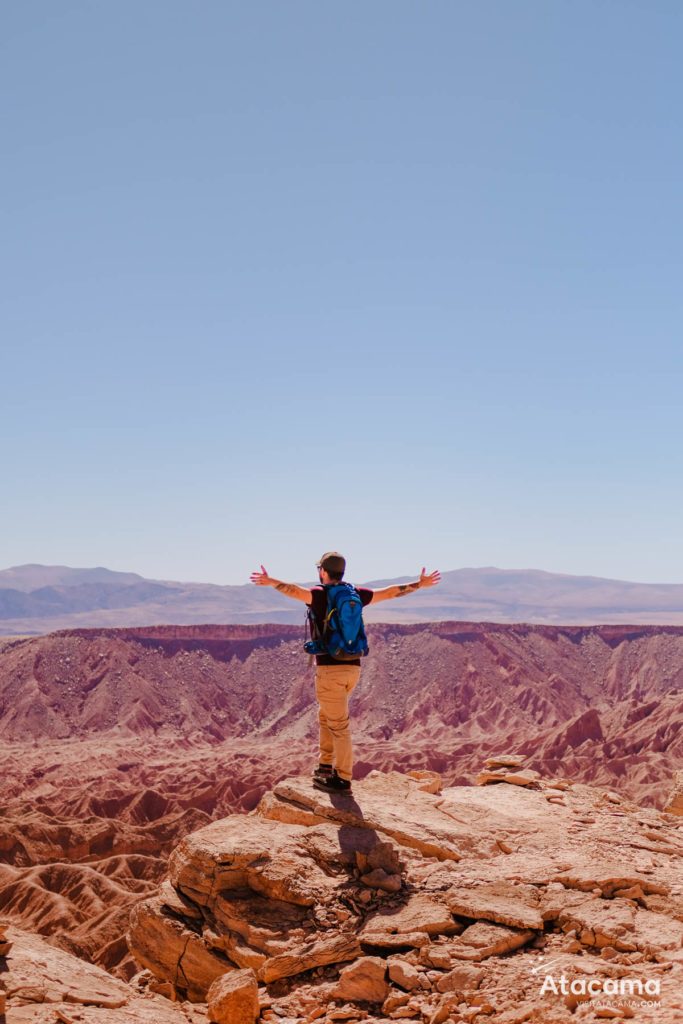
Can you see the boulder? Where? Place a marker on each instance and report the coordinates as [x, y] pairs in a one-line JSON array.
[[418, 913], [379, 879], [524, 777], [505, 761], [403, 974], [172, 951], [309, 956], [242, 893], [508, 903], [447, 1005], [247, 852], [461, 979], [233, 999], [393, 1001], [386, 856], [482, 940], [5, 944], [363, 981], [436, 956], [429, 782]]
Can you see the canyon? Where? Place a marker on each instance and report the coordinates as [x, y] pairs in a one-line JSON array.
[[119, 743]]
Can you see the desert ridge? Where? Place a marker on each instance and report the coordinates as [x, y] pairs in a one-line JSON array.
[[45, 598], [520, 898], [600, 702]]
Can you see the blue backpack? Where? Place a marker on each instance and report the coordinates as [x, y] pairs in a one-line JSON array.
[[343, 635]]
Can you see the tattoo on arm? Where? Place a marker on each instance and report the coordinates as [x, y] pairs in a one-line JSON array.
[[286, 588], [407, 588]]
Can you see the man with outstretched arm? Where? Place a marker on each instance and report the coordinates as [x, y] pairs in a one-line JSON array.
[[334, 679]]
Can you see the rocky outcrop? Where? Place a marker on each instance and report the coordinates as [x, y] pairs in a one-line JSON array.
[[43, 985], [495, 881]]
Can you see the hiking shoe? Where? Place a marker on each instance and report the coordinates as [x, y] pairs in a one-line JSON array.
[[323, 771], [332, 783]]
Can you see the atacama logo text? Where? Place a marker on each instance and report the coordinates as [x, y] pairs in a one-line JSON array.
[[624, 988]]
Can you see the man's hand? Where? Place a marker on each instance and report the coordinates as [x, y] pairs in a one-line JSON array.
[[403, 589], [262, 579], [430, 580]]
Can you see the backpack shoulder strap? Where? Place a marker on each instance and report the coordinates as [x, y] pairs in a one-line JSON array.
[[316, 631], [329, 588]]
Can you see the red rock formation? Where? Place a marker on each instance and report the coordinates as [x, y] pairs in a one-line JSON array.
[[435, 696], [116, 743], [495, 885]]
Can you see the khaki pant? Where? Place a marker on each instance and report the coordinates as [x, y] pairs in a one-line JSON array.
[[333, 684]]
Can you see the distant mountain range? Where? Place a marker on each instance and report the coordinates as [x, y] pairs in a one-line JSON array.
[[40, 599]]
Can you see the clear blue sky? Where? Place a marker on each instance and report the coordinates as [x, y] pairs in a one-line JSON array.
[[402, 279]]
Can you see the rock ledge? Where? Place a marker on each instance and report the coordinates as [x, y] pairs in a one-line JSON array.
[[490, 883]]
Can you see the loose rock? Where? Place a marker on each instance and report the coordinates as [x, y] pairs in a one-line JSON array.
[[525, 777], [404, 974], [363, 981], [461, 979], [233, 998], [482, 940], [505, 761]]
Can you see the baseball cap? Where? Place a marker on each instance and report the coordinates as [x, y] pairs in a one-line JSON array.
[[333, 562]]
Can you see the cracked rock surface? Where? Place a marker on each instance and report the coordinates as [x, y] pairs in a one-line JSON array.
[[511, 906]]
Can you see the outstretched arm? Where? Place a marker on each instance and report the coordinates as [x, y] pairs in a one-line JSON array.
[[262, 579], [401, 589]]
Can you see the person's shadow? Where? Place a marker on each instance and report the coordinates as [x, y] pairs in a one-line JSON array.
[[355, 839], [352, 838], [346, 802]]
